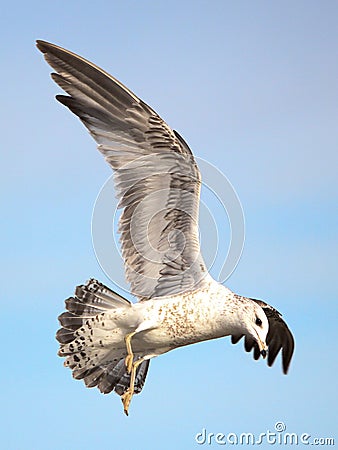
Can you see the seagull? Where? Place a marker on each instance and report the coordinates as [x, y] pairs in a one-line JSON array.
[[106, 340]]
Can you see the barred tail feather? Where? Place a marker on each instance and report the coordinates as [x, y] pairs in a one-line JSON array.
[[93, 352]]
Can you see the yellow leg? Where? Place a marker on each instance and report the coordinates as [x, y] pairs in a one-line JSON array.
[[128, 395], [130, 356]]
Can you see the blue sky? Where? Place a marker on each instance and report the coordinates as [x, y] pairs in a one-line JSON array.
[[252, 87]]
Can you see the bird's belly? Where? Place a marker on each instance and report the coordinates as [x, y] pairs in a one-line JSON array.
[[176, 331], [162, 337], [175, 322]]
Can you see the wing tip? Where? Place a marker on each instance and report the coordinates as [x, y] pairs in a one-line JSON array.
[[287, 354], [42, 45]]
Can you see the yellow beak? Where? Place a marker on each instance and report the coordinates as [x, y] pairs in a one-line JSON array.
[[262, 348]]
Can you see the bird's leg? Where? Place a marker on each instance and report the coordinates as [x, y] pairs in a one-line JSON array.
[[130, 356], [127, 396], [143, 326]]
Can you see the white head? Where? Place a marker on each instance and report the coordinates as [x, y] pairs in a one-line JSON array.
[[254, 323]]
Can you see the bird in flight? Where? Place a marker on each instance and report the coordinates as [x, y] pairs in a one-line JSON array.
[[106, 340]]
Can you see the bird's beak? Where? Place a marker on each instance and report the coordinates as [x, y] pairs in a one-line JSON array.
[[262, 348]]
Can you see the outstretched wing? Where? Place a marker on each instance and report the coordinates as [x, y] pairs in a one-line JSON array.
[[279, 338], [156, 177]]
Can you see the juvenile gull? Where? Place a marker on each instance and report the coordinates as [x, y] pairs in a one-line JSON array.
[[106, 340]]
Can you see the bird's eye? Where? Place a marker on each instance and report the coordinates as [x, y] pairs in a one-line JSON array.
[[258, 321]]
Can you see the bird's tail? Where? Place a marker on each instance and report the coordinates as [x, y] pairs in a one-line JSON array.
[[93, 344]]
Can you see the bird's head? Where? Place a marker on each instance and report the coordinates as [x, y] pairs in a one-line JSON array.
[[255, 325]]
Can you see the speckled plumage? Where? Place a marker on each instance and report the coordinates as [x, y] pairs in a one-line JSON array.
[[158, 184]]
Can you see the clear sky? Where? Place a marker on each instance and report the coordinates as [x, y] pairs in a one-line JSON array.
[[252, 86]]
